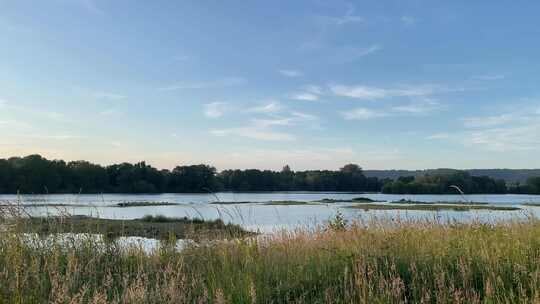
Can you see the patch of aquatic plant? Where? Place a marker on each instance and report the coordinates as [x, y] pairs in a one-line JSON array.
[[353, 200], [432, 207], [143, 204], [35, 205], [361, 262], [158, 227], [231, 203], [411, 202], [287, 203], [364, 200], [531, 204], [332, 201]]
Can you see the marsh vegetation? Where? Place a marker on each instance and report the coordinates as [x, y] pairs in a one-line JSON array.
[[375, 261]]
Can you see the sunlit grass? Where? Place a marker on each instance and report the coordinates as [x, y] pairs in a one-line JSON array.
[[376, 261]]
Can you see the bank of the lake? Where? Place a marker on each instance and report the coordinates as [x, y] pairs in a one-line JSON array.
[[376, 262]]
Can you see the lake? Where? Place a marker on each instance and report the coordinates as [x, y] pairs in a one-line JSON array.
[[270, 218]]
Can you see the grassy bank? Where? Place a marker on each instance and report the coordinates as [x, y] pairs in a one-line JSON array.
[[143, 204], [158, 227], [388, 262], [433, 207]]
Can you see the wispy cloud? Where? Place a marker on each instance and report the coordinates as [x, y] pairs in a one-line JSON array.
[[359, 92], [419, 107], [12, 124], [291, 73], [438, 136], [511, 131], [410, 109], [502, 139], [33, 112], [307, 93], [271, 128], [307, 96], [348, 54], [373, 93], [362, 114], [215, 109], [51, 136], [489, 77], [270, 106], [219, 83], [89, 5], [348, 18], [254, 132], [408, 20], [491, 121]]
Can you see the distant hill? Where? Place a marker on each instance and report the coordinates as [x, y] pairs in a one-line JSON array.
[[509, 175]]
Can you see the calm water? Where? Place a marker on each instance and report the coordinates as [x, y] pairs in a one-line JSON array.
[[271, 218]]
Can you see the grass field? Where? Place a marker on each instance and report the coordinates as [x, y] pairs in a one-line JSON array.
[[433, 207], [389, 262]]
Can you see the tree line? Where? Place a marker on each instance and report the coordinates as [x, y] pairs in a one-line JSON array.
[[34, 174]]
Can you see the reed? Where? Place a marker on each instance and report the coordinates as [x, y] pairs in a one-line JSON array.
[[375, 261]]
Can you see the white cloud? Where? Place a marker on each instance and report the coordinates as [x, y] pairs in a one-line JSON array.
[[438, 136], [490, 121], [348, 17], [422, 107], [362, 114], [219, 83], [254, 132], [359, 92], [303, 116], [512, 131], [372, 93], [12, 124], [489, 77], [408, 20], [313, 89], [268, 128], [307, 93], [502, 139], [291, 73], [351, 53], [263, 123], [271, 107], [304, 96], [89, 5], [215, 109], [416, 108]]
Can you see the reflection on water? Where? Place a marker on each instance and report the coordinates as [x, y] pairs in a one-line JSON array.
[[266, 218], [77, 239]]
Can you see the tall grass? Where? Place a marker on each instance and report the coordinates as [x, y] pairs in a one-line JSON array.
[[376, 262]]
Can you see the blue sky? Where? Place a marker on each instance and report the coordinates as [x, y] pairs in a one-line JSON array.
[[259, 84]]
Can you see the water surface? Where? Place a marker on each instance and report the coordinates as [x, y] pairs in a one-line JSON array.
[[266, 218]]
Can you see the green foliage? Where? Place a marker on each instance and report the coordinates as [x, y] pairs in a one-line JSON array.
[[35, 174], [441, 184], [338, 222]]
